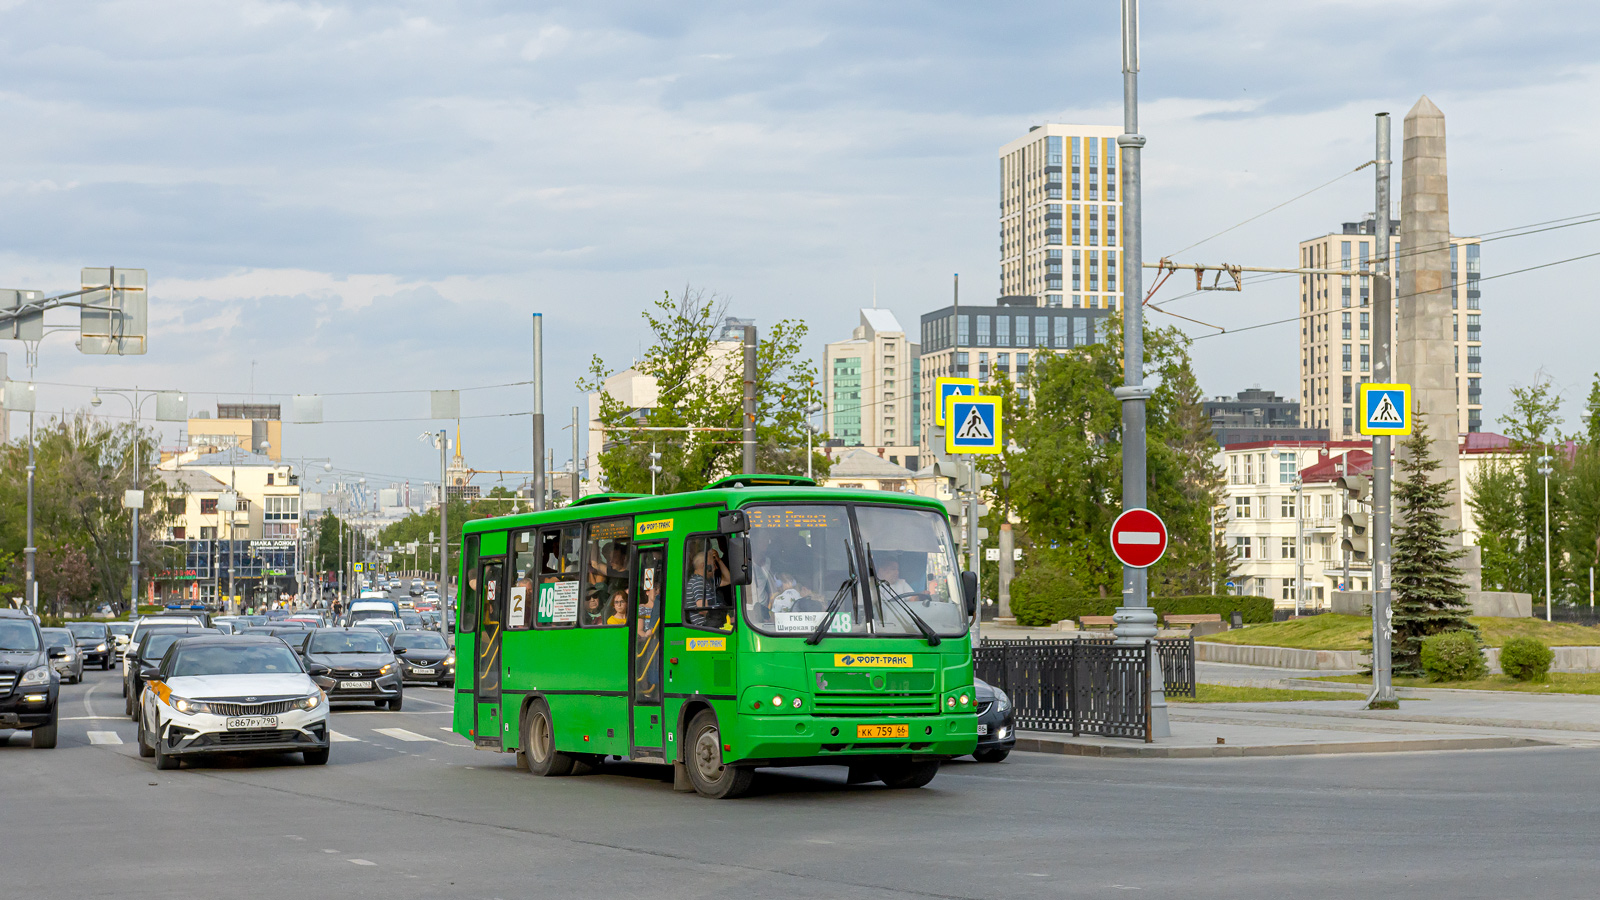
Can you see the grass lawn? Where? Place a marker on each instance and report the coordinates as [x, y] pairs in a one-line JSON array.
[[1233, 693], [1336, 632], [1559, 683]]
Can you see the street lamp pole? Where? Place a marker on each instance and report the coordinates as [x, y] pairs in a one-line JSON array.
[[1544, 469], [1299, 543]]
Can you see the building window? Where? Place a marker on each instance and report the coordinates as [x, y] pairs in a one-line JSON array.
[[1344, 357], [1262, 459], [1366, 357], [1077, 221], [1249, 469], [963, 331], [1002, 331], [1094, 272], [1233, 470], [983, 330], [1327, 506], [1286, 506], [1111, 270], [1241, 547], [1473, 360], [1241, 507], [1474, 328], [208, 506], [1063, 332], [1344, 326], [1286, 548], [1286, 466], [1288, 589]]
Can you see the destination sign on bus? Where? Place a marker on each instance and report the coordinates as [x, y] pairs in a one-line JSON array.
[[558, 602], [788, 518], [806, 622]]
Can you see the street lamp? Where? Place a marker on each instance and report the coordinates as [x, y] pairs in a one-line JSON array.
[[811, 431], [1544, 469], [655, 466], [1299, 542], [167, 409]]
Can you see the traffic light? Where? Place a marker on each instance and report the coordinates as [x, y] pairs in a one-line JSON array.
[[1357, 541]]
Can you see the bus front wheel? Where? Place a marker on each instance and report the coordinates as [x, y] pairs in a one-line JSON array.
[[539, 743], [706, 772], [909, 775]]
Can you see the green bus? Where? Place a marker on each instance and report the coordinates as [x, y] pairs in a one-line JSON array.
[[762, 621]]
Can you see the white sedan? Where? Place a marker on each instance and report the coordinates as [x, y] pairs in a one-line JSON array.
[[231, 694]]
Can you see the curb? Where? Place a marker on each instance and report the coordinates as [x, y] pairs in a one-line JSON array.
[[1156, 751]]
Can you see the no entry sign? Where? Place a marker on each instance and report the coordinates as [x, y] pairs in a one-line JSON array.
[[1138, 538]]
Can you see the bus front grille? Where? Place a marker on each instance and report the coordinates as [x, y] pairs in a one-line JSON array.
[[867, 703]]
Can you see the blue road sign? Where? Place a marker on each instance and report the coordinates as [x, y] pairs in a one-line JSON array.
[[945, 388], [1385, 409], [972, 425]]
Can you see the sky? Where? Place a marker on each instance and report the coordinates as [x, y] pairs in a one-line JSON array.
[[354, 198]]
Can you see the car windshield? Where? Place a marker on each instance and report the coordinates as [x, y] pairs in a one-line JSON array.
[[235, 659], [803, 557], [18, 635], [421, 640], [58, 637], [155, 646], [357, 641], [411, 618], [87, 629], [384, 627], [121, 628]]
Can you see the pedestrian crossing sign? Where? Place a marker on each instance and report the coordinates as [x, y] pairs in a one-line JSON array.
[[972, 424], [950, 387], [1385, 409]]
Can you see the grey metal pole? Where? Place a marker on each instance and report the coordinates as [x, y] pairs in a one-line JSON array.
[[974, 552], [444, 530], [134, 512], [1344, 469], [538, 412], [30, 588], [750, 399], [576, 481], [1136, 622], [1383, 694], [1299, 543], [1544, 469]]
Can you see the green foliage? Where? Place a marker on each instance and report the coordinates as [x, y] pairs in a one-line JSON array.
[[700, 384], [1066, 485], [1036, 604], [1429, 597], [1452, 656], [423, 528], [1526, 659]]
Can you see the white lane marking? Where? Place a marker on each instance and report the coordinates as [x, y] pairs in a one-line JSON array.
[[325, 850], [336, 737], [362, 862], [86, 695], [400, 734], [88, 718], [104, 737], [1139, 537]]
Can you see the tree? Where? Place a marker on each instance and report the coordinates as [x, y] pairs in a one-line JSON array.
[[423, 527], [1578, 542], [1429, 595], [700, 385], [66, 578], [1066, 485]]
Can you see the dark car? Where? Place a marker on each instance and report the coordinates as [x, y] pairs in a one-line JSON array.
[[355, 664], [29, 685], [997, 723], [153, 644], [425, 657], [94, 642]]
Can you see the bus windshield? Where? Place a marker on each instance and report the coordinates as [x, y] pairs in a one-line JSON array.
[[803, 557]]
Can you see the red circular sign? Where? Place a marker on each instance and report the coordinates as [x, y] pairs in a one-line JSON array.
[[1138, 538]]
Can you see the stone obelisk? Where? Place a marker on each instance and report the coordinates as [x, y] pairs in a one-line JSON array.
[[1424, 341]]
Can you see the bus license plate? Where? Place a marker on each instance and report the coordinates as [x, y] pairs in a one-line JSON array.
[[355, 685], [883, 731], [242, 723]]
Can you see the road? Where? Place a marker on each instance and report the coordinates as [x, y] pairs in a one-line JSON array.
[[406, 809]]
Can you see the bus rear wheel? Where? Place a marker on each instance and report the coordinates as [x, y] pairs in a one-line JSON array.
[[910, 774], [539, 743], [706, 772]]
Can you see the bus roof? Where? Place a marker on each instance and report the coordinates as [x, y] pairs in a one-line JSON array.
[[723, 497]]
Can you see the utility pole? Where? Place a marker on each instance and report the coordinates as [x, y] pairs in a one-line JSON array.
[[538, 413], [1136, 622], [750, 399], [1383, 695], [1544, 469], [974, 552], [1299, 542], [1344, 532], [576, 480], [444, 525]]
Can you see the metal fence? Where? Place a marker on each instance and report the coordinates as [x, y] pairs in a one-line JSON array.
[[1085, 685]]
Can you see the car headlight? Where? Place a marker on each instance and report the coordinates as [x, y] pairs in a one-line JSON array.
[[100, 648], [450, 660], [386, 669], [309, 702], [1001, 701], [40, 675], [186, 706]]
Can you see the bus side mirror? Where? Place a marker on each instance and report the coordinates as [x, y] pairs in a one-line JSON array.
[[969, 592], [739, 560], [733, 521]]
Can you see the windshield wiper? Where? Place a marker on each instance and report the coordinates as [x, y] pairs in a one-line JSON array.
[[845, 587], [928, 633]]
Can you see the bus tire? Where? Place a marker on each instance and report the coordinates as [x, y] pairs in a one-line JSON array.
[[910, 774], [706, 772], [539, 742]]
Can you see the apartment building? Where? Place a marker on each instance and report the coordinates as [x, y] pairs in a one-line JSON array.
[[1060, 214], [871, 389]]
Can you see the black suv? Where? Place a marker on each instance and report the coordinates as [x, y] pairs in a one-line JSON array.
[[29, 685]]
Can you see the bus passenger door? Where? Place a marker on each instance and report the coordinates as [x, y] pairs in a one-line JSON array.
[[645, 609], [486, 668]]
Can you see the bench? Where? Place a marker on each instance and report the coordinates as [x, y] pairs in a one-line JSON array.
[[1199, 624], [1093, 621]]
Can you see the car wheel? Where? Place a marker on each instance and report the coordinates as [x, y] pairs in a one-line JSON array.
[[315, 757], [145, 750], [539, 743], [44, 737], [909, 775], [164, 760], [991, 755], [398, 702], [133, 706], [706, 772], [127, 703]]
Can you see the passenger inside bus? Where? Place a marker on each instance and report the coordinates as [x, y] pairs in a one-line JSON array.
[[619, 609], [707, 595], [594, 609]]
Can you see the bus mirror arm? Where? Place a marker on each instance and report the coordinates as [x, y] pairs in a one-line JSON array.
[[969, 592], [738, 560]]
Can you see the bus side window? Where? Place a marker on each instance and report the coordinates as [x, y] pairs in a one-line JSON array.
[[606, 578], [467, 603], [558, 583], [708, 586], [524, 569]]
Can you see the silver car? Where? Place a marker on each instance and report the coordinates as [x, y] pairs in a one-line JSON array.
[[69, 666]]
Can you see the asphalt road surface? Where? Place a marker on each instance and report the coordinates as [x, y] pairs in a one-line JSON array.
[[406, 809]]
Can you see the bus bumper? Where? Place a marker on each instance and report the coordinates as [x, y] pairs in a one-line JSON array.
[[821, 737]]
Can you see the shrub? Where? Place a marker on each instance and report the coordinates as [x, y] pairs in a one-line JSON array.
[[1526, 659], [1453, 656], [1035, 600]]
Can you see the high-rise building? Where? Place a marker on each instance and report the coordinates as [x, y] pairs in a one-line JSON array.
[[1060, 209], [871, 385], [1336, 328], [255, 427], [1257, 415]]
